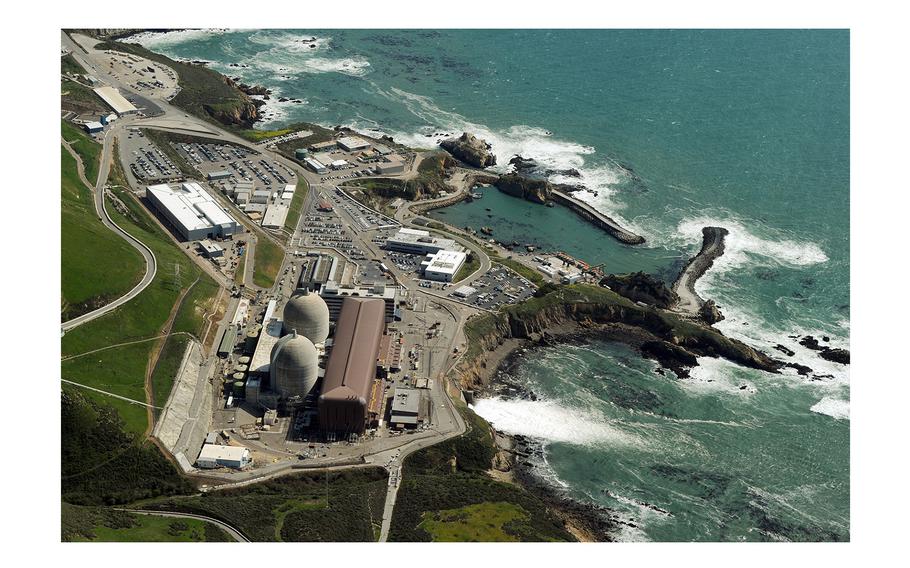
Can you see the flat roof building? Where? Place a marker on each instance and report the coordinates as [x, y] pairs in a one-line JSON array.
[[349, 374], [415, 241], [443, 265], [93, 127], [214, 455], [334, 296], [115, 100], [223, 174], [275, 215], [268, 337], [352, 143], [323, 146], [210, 249], [315, 165], [405, 408], [192, 211]]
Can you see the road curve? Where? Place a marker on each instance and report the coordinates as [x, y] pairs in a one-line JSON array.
[[151, 264], [233, 532]]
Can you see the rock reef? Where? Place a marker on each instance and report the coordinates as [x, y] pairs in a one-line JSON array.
[[470, 150]]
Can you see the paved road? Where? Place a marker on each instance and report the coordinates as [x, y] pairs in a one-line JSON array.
[[233, 532], [110, 394], [151, 265]]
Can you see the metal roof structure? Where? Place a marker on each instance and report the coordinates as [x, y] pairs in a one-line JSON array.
[[115, 100]]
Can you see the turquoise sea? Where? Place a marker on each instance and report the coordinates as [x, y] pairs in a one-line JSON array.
[[673, 130]]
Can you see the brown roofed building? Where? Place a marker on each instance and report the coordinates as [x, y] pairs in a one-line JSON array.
[[351, 368]]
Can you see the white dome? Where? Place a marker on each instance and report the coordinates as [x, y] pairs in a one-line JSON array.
[[308, 314], [294, 366]]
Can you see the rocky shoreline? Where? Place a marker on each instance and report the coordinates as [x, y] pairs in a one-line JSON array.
[[712, 248]]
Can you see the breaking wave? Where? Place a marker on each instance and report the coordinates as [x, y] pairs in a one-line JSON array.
[[833, 407]]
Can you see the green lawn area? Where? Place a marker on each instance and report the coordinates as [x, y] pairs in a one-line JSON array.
[[344, 506], [94, 524], [296, 204], [87, 149], [267, 262], [470, 265], [445, 494], [260, 135], [96, 265], [483, 522]]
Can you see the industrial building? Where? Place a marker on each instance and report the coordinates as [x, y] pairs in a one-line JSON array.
[[268, 337], [192, 211], [351, 369], [294, 366], [334, 296], [210, 249], [323, 146], [223, 174], [213, 456], [228, 340], [315, 165], [318, 272], [93, 127], [276, 214], [416, 241], [115, 100], [307, 314], [393, 166], [443, 265], [352, 143], [406, 411], [464, 291]]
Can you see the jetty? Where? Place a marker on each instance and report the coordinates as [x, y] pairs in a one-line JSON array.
[[712, 247], [594, 216]]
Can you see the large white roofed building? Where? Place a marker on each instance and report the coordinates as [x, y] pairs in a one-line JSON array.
[[214, 455], [443, 265], [192, 210], [115, 100]]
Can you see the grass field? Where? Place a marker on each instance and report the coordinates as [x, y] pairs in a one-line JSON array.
[[87, 149], [343, 506], [296, 204], [520, 268], [260, 135], [470, 265], [267, 262], [96, 265], [95, 524], [484, 522]]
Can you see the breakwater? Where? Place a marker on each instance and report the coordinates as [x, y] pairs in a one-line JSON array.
[[591, 214]]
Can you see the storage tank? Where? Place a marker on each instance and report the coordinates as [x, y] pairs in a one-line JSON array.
[[238, 388], [237, 377], [293, 369], [244, 360], [308, 314]]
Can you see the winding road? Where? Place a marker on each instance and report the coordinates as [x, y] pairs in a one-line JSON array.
[[233, 532], [151, 264]]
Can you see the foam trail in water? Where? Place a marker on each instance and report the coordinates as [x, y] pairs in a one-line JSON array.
[[835, 408], [551, 422]]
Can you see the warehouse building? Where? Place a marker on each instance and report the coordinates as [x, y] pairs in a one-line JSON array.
[[275, 214], [351, 369], [319, 271], [443, 265], [93, 127], [192, 211], [315, 165], [416, 241], [213, 456], [352, 143], [223, 174], [406, 408], [115, 100], [394, 165], [323, 146], [334, 296]]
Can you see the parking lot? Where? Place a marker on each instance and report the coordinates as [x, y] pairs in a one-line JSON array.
[[147, 162], [365, 218], [241, 163], [497, 287]]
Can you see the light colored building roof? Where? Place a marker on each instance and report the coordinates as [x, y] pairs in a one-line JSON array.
[[406, 401], [464, 291], [446, 262], [180, 206], [115, 100], [276, 214], [218, 452], [271, 333], [353, 142], [94, 125]]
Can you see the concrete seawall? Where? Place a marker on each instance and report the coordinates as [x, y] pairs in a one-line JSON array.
[[588, 213]]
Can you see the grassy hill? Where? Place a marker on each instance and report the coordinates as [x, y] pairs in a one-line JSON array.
[[96, 265], [97, 524]]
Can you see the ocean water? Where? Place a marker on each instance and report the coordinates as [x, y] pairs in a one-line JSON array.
[[673, 130]]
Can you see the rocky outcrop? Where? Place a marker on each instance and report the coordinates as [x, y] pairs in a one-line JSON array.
[[710, 312], [241, 113], [656, 333], [712, 247], [470, 150], [536, 190], [834, 354], [640, 287]]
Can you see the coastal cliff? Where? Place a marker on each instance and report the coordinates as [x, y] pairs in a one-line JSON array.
[[470, 150], [657, 334]]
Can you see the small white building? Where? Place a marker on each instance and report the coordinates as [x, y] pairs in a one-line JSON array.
[[213, 456], [93, 127], [315, 165], [464, 291], [339, 164], [261, 196], [443, 265]]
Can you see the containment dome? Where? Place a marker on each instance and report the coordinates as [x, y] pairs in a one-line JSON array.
[[307, 313], [294, 368]]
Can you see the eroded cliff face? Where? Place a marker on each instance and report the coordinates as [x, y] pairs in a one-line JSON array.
[[536, 190], [656, 334], [470, 150]]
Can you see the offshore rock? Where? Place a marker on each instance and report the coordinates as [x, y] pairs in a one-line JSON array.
[[710, 312], [470, 150], [536, 190]]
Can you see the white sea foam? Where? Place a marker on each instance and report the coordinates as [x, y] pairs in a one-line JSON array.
[[835, 408], [551, 422], [152, 40]]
